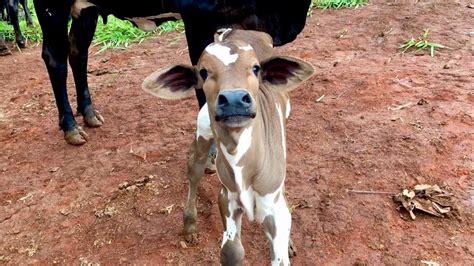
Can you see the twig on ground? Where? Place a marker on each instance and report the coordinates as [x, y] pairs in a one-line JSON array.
[[370, 192]]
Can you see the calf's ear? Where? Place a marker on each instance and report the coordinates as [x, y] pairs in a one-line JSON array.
[[171, 83], [285, 73]]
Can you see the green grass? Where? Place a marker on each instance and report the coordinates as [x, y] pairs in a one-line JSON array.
[[117, 34], [421, 43], [335, 4]]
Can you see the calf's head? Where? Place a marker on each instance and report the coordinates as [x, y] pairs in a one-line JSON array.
[[232, 77]]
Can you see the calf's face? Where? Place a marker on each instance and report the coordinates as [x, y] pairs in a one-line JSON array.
[[230, 72], [232, 77]]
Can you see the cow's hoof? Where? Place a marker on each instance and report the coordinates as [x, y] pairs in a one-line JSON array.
[[291, 249], [211, 160], [76, 137], [93, 119], [21, 43]]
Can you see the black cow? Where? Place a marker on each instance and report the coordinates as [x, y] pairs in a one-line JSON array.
[[282, 19], [12, 11]]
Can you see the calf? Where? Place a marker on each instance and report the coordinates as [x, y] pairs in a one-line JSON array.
[[246, 111], [12, 11]]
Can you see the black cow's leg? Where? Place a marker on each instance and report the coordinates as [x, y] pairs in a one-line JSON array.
[[13, 14], [80, 38], [53, 18], [29, 20], [198, 36], [2, 9]]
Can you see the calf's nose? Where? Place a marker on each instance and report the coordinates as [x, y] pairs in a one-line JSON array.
[[234, 99]]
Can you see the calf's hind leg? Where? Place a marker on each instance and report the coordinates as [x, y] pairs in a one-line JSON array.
[[80, 38]]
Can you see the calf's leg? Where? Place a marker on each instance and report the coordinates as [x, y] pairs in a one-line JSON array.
[[277, 226], [232, 250], [196, 165], [80, 38]]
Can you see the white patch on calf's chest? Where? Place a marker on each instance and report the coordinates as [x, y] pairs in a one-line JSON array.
[[288, 108], [282, 128], [203, 124], [222, 53], [246, 196]]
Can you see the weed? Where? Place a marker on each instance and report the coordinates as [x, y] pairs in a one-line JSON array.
[[421, 44]]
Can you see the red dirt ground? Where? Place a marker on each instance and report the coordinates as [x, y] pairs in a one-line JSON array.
[[69, 205]]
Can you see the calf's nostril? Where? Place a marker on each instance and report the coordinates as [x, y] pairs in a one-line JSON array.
[[221, 100], [246, 98]]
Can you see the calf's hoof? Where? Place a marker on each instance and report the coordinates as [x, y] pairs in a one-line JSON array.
[[76, 136], [291, 249], [93, 118], [191, 238], [190, 229]]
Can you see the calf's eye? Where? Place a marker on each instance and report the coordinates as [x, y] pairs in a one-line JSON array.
[[203, 73], [256, 69]]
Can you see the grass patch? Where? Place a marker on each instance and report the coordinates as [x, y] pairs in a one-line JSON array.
[[421, 43], [326, 4], [117, 34]]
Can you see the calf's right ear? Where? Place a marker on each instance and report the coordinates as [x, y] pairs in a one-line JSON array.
[[171, 83]]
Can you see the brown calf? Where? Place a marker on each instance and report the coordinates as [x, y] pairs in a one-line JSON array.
[[246, 111]]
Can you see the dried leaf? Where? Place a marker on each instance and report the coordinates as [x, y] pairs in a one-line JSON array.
[[430, 199]]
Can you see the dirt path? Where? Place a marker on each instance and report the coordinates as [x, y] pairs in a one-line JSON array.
[[386, 122]]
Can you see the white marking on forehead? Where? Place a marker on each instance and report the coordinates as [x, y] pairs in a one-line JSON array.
[[222, 53], [246, 48], [203, 124], [222, 33], [282, 127]]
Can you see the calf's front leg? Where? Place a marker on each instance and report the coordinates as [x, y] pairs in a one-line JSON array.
[[196, 166], [232, 250], [277, 226]]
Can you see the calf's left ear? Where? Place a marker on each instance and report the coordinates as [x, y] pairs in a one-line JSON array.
[[171, 83], [285, 73]]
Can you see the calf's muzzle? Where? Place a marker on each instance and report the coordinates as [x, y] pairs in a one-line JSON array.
[[234, 107]]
